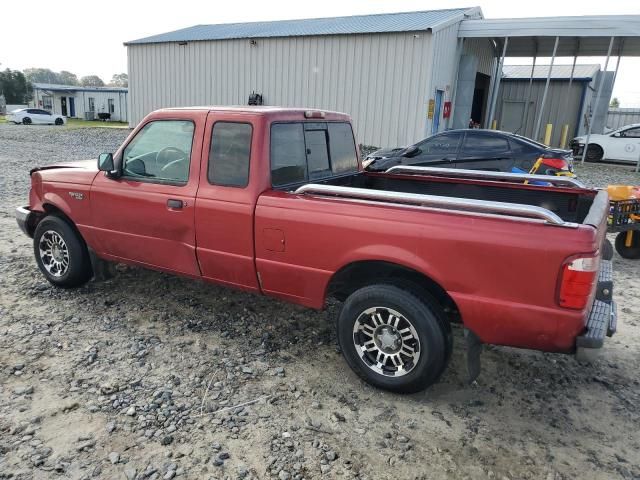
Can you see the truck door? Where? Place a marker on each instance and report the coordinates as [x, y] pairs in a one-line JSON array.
[[146, 216], [226, 200]]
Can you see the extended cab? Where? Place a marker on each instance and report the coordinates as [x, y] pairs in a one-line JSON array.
[[274, 201]]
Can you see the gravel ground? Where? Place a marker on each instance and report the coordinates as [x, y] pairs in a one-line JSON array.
[[152, 376]]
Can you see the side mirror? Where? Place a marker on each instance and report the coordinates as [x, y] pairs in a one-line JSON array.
[[411, 152], [617, 134], [105, 162]]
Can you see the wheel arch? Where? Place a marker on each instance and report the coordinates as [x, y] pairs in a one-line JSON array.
[[361, 273]]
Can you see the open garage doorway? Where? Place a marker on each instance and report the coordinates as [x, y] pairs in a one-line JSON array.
[[480, 96]]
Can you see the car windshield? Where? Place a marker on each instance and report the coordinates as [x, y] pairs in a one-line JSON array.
[[622, 129]]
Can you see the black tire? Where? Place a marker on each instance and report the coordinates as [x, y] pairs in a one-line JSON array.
[[594, 153], [431, 337], [607, 250], [59, 121], [26, 121], [77, 270], [632, 252]]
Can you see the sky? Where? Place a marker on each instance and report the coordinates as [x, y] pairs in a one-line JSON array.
[[87, 37]]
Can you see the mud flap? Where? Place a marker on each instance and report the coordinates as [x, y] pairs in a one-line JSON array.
[[102, 270], [474, 349]]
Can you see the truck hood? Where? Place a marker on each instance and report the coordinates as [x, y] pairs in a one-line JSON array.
[[81, 172]]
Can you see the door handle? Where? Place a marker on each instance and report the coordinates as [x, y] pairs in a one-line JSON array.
[[173, 203]]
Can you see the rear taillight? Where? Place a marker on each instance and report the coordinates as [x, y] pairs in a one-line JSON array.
[[557, 163], [579, 275]]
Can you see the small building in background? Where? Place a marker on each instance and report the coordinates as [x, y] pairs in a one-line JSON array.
[[82, 102], [521, 94]]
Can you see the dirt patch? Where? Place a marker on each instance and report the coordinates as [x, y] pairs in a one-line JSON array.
[[153, 376]]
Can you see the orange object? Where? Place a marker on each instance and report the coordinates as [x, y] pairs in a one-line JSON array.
[[623, 192]]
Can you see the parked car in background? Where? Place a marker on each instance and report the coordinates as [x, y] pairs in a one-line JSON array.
[[622, 145], [28, 116], [474, 149]]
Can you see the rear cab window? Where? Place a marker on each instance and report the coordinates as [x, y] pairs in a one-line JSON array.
[[311, 151]]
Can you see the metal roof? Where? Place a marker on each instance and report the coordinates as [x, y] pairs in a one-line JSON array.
[[558, 72], [75, 88], [583, 36], [380, 23]]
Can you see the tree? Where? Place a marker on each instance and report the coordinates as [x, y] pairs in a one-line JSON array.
[[615, 103], [119, 80], [41, 75], [68, 78], [15, 87], [91, 81]]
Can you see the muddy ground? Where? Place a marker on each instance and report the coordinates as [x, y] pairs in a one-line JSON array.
[[152, 376]]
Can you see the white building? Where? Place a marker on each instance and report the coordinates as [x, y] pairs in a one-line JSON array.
[[401, 76], [81, 102]]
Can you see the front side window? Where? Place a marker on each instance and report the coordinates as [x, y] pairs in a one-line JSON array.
[[445, 144], [160, 152], [631, 133], [230, 154], [305, 151]]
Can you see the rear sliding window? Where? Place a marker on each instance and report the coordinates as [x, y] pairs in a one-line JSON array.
[[304, 151]]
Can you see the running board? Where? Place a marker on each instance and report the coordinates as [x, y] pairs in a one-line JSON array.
[[436, 201], [484, 175]]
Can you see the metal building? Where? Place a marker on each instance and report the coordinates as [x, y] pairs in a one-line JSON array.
[[522, 88], [401, 76], [392, 73], [73, 101]]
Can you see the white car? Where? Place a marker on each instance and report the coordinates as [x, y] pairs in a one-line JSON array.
[[27, 116], [622, 144]]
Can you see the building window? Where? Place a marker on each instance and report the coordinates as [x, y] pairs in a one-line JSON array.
[[47, 103], [92, 104], [111, 106]]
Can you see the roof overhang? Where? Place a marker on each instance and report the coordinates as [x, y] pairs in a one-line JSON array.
[[587, 36]]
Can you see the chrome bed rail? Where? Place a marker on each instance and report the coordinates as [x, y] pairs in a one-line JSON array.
[[483, 175], [436, 201]]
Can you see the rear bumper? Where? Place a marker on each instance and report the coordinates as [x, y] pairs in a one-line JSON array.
[[23, 217], [603, 317]]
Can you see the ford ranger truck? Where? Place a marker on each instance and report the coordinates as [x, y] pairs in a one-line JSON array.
[[274, 201]]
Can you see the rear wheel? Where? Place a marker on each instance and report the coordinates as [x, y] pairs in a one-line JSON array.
[[61, 253], [392, 339], [59, 121], [26, 121], [631, 252], [594, 153]]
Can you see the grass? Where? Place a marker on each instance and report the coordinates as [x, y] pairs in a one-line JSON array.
[[79, 123]]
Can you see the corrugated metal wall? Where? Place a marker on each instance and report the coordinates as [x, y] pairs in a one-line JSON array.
[[482, 49], [619, 117], [558, 111], [381, 80], [444, 63]]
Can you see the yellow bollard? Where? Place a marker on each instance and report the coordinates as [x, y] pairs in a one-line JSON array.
[[494, 125], [547, 134], [563, 136]]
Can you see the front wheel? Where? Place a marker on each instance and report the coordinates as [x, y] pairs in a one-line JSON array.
[[594, 153], [392, 339], [26, 121], [61, 253], [631, 251], [59, 121]]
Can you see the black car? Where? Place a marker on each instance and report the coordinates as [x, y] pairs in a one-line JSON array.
[[474, 149]]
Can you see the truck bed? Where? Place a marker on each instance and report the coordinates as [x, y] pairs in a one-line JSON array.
[[570, 204]]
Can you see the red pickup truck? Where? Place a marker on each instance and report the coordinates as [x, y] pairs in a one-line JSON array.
[[274, 201]]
